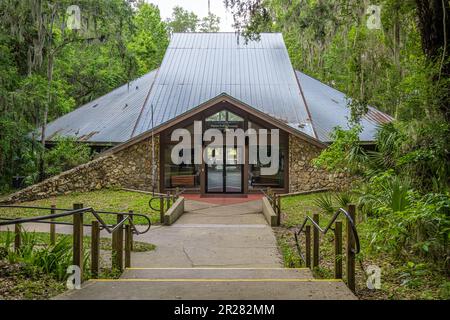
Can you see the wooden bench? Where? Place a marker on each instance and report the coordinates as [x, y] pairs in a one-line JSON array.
[[265, 181], [183, 181]]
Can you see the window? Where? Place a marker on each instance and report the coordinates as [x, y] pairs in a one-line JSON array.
[[257, 181], [183, 175], [224, 116]]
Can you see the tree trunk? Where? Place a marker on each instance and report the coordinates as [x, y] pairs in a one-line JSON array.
[[434, 26]]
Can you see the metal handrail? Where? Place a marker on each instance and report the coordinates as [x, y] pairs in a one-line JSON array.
[[355, 250], [159, 196], [274, 204], [67, 212]]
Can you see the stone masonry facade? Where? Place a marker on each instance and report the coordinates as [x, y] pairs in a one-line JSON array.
[[131, 168], [303, 176], [127, 168]]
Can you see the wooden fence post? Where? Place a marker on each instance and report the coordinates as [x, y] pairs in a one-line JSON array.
[[350, 254], [269, 195], [128, 241], [278, 202], [161, 210], [316, 242], [52, 227], [338, 250], [78, 238], [118, 245], [17, 236], [168, 201], [95, 249], [308, 246], [131, 233]]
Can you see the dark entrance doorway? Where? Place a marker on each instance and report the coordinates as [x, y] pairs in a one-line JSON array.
[[224, 174]]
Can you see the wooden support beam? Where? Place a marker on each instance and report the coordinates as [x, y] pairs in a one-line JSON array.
[[168, 201], [78, 238], [118, 246], [120, 242], [128, 242], [161, 210], [131, 234], [308, 246], [17, 236], [95, 249], [316, 240], [351, 257], [338, 250], [52, 227], [278, 204]]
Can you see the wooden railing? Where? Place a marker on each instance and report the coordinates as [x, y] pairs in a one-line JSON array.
[[275, 202], [352, 245], [124, 226], [165, 202]]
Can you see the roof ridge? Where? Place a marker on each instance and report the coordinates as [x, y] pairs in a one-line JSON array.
[[144, 104], [221, 32]]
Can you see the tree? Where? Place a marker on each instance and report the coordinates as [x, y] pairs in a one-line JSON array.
[[48, 69], [210, 23], [434, 25], [150, 38], [182, 20]]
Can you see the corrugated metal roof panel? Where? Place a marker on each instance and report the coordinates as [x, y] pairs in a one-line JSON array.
[[258, 73], [110, 118], [199, 67], [328, 108]]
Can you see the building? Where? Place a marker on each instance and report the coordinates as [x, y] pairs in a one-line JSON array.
[[223, 82]]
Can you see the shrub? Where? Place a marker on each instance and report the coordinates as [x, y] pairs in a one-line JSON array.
[[325, 202], [422, 229], [67, 154], [39, 257]]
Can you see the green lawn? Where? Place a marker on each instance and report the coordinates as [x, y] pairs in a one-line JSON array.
[[102, 200], [23, 275], [400, 279], [43, 238]]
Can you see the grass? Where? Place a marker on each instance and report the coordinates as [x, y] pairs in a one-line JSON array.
[[43, 238], [17, 284], [101, 200], [399, 279], [32, 273]]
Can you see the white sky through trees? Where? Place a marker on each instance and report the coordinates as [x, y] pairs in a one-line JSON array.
[[200, 8]]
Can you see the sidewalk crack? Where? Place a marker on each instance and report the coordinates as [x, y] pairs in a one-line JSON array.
[[188, 257]]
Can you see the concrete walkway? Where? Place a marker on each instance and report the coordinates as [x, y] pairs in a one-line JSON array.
[[211, 235], [207, 234], [214, 251]]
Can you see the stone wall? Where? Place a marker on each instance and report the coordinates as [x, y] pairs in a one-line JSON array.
[[127, 168], [303, 176]]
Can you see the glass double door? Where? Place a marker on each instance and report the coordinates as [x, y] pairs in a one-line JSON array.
[[224, 170]]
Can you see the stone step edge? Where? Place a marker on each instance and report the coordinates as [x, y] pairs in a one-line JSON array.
[[212, 268], [214, 280]]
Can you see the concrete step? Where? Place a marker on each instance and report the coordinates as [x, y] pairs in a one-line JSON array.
[[216, 273], [198, 289], [213, 284]]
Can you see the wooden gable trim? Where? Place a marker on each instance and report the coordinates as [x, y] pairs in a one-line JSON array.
[[220, 98]]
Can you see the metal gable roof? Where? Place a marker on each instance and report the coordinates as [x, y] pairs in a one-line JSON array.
[[108, 119], [328, 108], [200, 66]]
